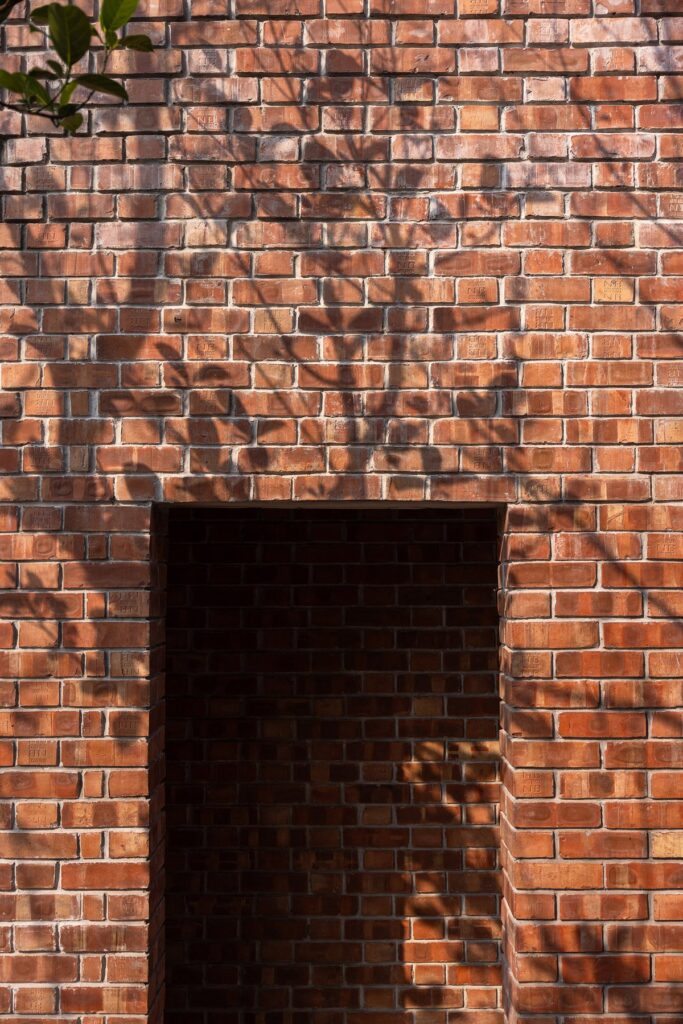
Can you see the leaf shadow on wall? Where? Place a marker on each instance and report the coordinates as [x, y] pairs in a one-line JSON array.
[[265, 387]]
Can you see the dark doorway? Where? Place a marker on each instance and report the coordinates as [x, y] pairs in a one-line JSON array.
[[332, 767]]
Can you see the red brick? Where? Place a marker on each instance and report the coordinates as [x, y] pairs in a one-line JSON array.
[[605, 969], [34, 845], [603, 906], [603, 724], [559, 938], [104, 875], [38, 968]]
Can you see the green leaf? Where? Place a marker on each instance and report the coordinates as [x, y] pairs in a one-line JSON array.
[[57, 68], [27, 86], [102, 83], [72, 123], [35, 90], [13, 82], [68, 91], [70, 32], [6, 7], [40, 15], [141, 43], [111, 39], [35, 87], [117, 13]]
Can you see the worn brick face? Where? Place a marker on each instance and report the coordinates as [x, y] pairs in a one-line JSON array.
[[406, 251]]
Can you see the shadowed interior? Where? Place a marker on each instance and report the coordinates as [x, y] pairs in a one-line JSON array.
[[332, 767]]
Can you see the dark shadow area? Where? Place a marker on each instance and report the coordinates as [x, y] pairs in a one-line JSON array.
[[332, 766]]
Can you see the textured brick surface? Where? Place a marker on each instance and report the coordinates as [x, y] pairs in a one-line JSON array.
[[352, 250], [332, 766]]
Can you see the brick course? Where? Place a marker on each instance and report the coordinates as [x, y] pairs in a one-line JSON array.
[[410, 251]]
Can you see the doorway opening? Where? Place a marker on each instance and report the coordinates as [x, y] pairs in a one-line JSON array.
[[332, 767]]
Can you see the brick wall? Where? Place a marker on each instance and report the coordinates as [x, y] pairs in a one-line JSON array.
[[332, 767], [402, 250]]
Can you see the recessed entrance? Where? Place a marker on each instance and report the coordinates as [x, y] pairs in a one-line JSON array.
[[332, 767]]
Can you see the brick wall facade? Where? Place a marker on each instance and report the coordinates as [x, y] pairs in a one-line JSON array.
[[352, 251]]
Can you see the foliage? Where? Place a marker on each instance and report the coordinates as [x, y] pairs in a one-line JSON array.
[[55, 91]]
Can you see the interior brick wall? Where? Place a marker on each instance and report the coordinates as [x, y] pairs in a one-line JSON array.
[[332, 767], [422, 251]]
